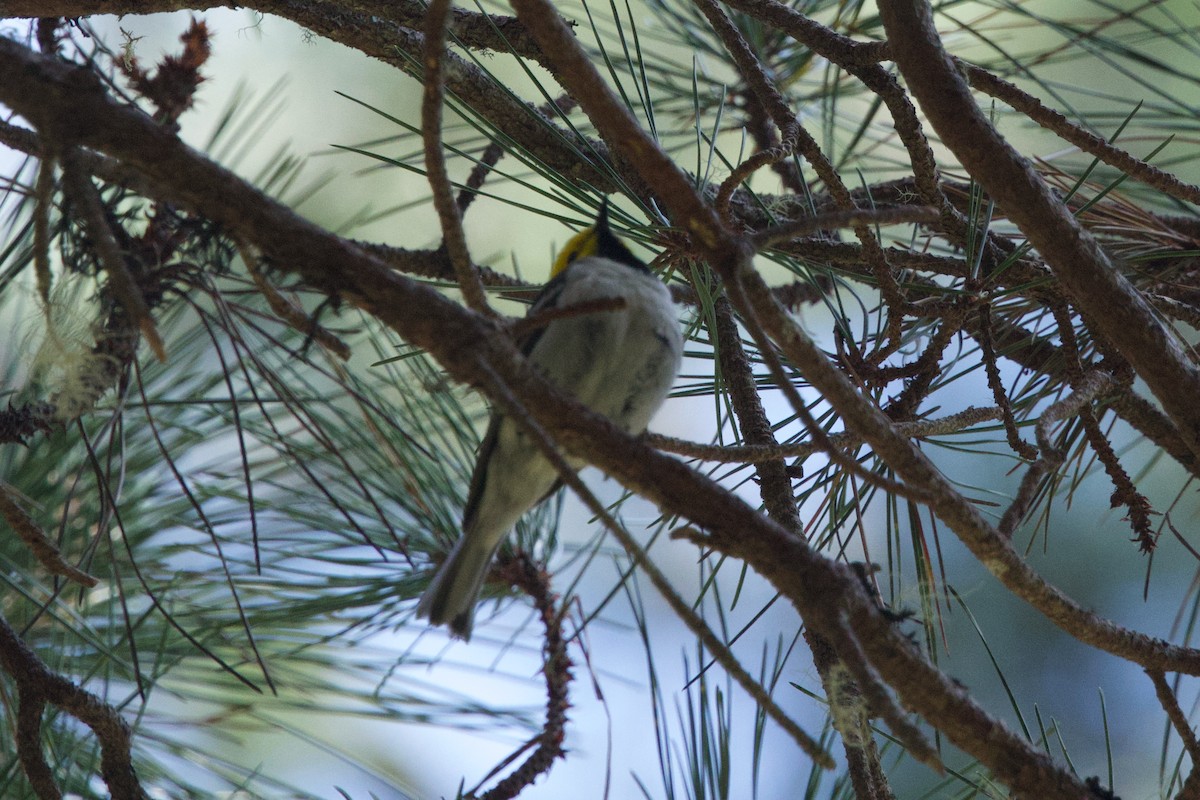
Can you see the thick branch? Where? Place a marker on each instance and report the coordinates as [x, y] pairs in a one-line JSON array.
[[472, 29], [39, 685]]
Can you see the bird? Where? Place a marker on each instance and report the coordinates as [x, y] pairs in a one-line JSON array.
[[620, 362]]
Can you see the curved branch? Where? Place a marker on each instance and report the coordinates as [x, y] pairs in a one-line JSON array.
[[30, 707], [39, 685], [531, 579]]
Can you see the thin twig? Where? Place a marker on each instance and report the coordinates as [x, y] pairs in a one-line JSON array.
[[992, 370], [530, 578], [1179, 720], [751, 454], [1086, 141], [1051, 457], [291, 313], [435, 159], [526, 325], [479, 173], [885, 215]]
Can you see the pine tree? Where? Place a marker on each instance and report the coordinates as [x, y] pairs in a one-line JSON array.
[[935, 268]]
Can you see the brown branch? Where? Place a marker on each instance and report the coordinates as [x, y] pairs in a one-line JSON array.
[[601, 305], [1175, 714], [292, 313], [479, 173], [992, 369], [44, 550], [1086, 141], [1124, 490], [763, 133], [753, 424], [494, 152], [38, 683], [469, 28], [453, 238], [843, 219], [742, 172], [1037, 354], [109, 170], [983, 540], [434, 264], [989, 547], [531, 579], [1051, 457], [845, 700], [30, 707], [751, 453], [925, 367]]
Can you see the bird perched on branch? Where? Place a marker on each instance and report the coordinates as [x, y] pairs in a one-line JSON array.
[[611, 340]]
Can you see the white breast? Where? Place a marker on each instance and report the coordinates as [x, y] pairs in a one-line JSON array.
[[621, 362]]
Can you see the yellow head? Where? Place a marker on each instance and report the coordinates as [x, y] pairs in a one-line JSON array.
[[581, 245], [597, 240]]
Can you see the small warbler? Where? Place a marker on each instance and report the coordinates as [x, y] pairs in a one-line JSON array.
[[619, 362]]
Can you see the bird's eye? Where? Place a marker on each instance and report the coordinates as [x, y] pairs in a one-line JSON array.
[[571, 256]]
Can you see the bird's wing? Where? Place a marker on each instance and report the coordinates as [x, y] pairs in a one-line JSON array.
[[546, 299], [479, 475]]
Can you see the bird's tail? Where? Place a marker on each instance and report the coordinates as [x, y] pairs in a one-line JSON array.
[[451, 597]]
